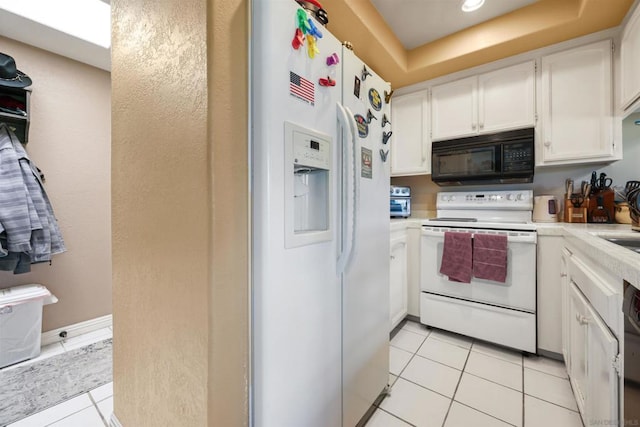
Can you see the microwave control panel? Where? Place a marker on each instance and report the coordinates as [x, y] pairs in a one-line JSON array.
[[517, 157]]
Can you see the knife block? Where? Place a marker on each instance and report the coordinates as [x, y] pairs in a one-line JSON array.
[[575, 214], [607, 202]]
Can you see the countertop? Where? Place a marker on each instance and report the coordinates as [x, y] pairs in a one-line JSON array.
[[589, 238]]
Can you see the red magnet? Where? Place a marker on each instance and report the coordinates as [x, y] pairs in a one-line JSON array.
[[333, 59], [327, 82], [298, 39]]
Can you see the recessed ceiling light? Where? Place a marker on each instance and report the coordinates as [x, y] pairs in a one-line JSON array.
[[471, 5]]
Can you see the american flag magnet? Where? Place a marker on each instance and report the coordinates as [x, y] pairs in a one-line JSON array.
[[301, 88]]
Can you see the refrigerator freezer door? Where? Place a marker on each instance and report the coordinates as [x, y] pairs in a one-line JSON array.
[[365, 281], [296, 294]]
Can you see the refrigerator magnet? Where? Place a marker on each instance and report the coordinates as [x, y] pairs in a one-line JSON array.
[[383, 155], [366, 157], [363, 125], [386, 136], [356, 87], [301, 88], [375, 100]]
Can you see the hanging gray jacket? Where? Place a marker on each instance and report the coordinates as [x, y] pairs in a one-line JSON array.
[[25, 206]]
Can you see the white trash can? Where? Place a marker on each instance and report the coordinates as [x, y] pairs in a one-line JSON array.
[[21, 322]]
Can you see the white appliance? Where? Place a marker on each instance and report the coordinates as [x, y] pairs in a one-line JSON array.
[[502, 313], [399, 202], [545, 208], [320, 228]]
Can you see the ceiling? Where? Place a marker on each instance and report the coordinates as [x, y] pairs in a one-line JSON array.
[[531, 26], [416, 22]]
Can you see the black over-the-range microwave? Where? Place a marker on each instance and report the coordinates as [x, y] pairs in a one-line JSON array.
[[497, 158]]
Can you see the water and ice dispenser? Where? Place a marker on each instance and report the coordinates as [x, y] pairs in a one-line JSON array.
[[307, 186]]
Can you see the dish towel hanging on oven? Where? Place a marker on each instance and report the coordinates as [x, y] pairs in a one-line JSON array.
[[490, 257], [457, 257], [29, 231]]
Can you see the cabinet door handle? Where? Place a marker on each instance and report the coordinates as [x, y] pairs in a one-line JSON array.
[[481, 125], [563, 274], [547, 143], [392, 257], [473, 126], [583, 320]]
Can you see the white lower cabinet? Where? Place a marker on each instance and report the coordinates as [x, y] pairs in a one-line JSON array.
[[591, 349], [398, 278], [564, 283], [549, 295]]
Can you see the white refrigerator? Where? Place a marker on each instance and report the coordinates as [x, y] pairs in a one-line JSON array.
[[320, 227]]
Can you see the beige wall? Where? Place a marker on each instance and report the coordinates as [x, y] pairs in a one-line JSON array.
[[180, 206], [229, 310], [69, 140]]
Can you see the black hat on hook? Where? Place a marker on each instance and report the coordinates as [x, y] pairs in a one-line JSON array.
[[10, 76]]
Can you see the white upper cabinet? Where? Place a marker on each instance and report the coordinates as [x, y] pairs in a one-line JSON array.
[[498, 100], [506, 98], [454, 109], [577, 106], [630, 60], [410, 143]]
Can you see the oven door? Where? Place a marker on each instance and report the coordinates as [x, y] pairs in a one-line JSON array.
[[519, 290]]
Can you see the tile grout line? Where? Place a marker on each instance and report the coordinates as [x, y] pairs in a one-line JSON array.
[[399, 376], [444, 421], [497, 383], [552, 403], [485, 413], [95, 406], [68, 415], [523, 407], [440, 363], [546, 373], [397, 417]]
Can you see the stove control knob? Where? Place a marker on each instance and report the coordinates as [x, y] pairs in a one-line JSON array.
[[492, 198], [452, 198], [509, 196], [519, 197], [444, 198]]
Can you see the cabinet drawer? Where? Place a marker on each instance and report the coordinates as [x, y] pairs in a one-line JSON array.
[[599, 291]]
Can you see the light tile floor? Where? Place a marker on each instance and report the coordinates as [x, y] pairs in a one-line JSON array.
[[440, 379], [92, 409]]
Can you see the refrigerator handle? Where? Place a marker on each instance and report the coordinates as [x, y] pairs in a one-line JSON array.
[[347, 239], [345, 136]]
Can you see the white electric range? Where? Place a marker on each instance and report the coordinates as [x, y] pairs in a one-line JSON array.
[[501, 313]]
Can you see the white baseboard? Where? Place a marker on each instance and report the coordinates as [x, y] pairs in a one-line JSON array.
[[53, 336], [114, 421]]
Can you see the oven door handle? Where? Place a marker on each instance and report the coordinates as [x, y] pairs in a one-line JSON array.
[[520, 238]]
